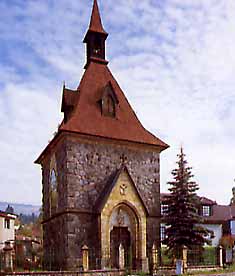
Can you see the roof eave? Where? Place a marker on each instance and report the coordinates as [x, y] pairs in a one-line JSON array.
[[91, 31], [41, 156], [39, 159], [161, 147]]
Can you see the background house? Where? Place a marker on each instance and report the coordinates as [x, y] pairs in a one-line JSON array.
[[218, 218], [7, 228]]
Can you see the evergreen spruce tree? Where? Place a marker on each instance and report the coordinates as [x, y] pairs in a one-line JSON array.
[[182, 212]]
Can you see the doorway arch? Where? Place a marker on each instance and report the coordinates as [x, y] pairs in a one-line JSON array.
[[123, 225], [124, 229]]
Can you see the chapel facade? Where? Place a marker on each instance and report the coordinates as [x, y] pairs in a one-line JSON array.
[[100, 173]]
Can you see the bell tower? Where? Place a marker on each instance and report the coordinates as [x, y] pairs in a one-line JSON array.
[[95, 38]]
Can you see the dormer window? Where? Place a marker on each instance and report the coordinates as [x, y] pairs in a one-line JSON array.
[[109, 101], [206, 210], [108, 106]]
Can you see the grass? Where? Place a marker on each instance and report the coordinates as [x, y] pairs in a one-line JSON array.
[[227, 269]]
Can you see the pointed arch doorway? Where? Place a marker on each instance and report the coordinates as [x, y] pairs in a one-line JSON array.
[[124, 233], [123, 225]]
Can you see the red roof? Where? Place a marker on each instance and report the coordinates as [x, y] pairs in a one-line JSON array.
[[203, 200], [87, 117], [7, 215], [82, 107], [220, 213], [206, 201], [96, 23]]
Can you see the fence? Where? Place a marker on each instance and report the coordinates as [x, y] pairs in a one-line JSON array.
[[113, 272], [166, 260], [209, 256]]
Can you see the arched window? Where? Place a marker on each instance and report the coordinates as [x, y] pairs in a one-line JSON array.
[[97, 47], [109, 101], [108, 106], [53, 192], [53, 180]]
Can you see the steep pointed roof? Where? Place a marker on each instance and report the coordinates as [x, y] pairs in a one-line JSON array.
[[95, 22], [82, 108], [87, 117]]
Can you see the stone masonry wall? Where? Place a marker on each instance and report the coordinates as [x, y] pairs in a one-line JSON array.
[[83, 169], [55, 231], [83, 230], [55, 244], [89, 165], [61, 173]]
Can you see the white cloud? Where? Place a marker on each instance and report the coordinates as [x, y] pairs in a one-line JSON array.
[[28, 120]]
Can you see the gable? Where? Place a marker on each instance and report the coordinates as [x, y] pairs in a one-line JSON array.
[[120, 189]]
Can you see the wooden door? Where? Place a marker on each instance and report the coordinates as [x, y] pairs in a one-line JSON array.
[[120, 235]]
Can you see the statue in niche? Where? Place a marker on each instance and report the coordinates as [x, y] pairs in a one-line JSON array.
[[120, 217]]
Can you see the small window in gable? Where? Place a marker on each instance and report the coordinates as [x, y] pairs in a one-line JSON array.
[[108, 106], [109, 101]]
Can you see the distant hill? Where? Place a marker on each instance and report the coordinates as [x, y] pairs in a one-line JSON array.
[[26, 209]]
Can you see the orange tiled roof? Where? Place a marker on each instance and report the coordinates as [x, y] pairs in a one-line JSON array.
[[83, 110], [87, 117]]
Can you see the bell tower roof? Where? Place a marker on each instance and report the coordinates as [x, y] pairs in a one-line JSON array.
[[95, 22]]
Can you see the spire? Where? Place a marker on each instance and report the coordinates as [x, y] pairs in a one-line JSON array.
[[95, 22], [95, 38]]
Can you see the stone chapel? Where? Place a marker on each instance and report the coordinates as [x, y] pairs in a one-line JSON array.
[[100, 173]]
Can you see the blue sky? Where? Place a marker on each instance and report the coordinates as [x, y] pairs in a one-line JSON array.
[[174, 60]]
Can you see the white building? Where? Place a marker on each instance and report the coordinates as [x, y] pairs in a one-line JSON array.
[[7, 228]]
